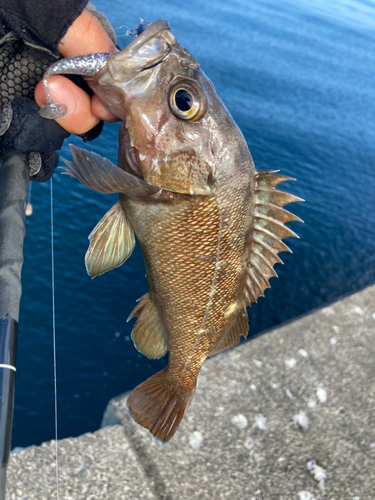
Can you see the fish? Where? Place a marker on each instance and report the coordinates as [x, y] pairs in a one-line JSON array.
[[209, 224]]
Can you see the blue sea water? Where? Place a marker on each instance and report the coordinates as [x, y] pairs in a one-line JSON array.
[[298, 78]]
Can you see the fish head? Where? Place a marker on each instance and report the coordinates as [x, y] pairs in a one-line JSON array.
[[175, 128]]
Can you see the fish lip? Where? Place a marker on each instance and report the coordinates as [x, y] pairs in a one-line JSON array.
[[125, 64], [146, 35], [160, 60]]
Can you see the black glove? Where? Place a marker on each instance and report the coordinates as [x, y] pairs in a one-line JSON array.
[[29, 133]]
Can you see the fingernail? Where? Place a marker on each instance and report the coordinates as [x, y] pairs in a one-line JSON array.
[[62, 94]]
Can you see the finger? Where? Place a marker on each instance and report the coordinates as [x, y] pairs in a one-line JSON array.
[[85, 36], [79, 117], [100, 112]]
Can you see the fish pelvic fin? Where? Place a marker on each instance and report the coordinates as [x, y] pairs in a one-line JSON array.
[[268, 231], [99, 174], [111, 242], [149, 335], [158, 406], [240, 326]]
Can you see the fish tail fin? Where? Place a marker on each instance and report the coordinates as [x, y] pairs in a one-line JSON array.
[[158, 406]]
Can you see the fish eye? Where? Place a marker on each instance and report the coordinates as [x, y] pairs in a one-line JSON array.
[[186, 101], [183, 100]]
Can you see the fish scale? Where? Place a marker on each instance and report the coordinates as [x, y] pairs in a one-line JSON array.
[[209, 225], [191, 258]]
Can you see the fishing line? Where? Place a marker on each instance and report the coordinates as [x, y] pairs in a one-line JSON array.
[[29, 192], [120, 27], [54, 341]]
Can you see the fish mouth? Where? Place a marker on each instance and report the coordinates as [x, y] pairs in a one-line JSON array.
[[150, 32], [158, 62], [147, 50]]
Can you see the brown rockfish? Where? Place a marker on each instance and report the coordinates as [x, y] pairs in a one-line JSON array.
[[210, 226]]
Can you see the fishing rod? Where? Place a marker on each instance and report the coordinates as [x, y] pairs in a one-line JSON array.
[[14, 178]]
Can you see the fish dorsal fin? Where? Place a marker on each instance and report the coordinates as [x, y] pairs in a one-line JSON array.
[[111, 242], [149, 335], [268, 231], [99, 174], [239, 327]]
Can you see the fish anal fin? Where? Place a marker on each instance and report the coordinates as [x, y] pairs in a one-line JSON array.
[[268, 232], [111, 242], [240, 326], [149, 335], [158, 406]]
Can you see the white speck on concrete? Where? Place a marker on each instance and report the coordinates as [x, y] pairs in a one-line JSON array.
[[290, 362], [333, 340], [373, 315], [281, 459], [258, 363], [356, 498], [311, 403], [318, 472], [288, 393], [303, 353], [357, 310], [253, 387], [239, 421], [329, 311], [302, 420], [305, 495], [274, 386], [336, 328], [322, 394], [372, 445], [248, 444], [195, 440], [261, 423]]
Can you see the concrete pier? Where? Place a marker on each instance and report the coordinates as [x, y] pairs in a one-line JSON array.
[[289, 415]]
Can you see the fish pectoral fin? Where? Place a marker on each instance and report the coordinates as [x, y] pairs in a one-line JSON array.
[[101, 175], [239, 327], [149, 335], [159, 406], [111, 242], [268, 231]]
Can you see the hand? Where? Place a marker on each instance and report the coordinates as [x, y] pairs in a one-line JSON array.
[[85, 36]]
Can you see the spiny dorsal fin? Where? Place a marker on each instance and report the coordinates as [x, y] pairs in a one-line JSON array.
[[111, 242], [268, 231], [268, 179], [149, 335], [239, 327]]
